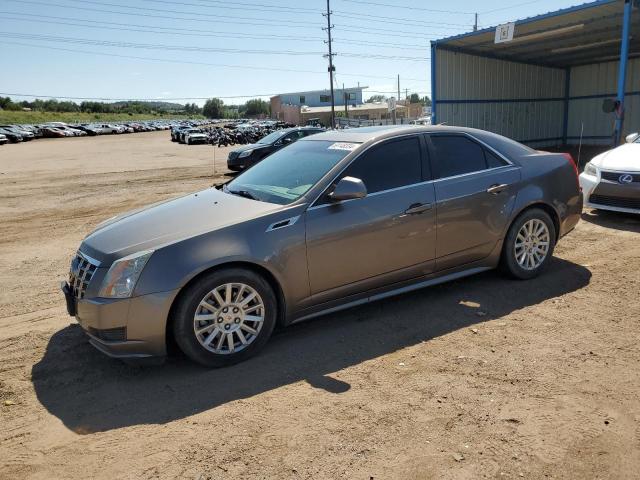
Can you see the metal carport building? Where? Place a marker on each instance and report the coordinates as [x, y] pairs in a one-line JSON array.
[[546, 86]]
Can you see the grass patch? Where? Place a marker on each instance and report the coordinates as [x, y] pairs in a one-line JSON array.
[[11, 117]]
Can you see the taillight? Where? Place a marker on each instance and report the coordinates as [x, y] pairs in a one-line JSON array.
[[574, 165]]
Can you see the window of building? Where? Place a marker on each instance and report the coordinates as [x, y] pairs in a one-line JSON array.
[[325, 98], [303, 99], [351, 96]]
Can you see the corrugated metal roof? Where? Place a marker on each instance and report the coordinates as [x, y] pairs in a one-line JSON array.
[[578, 35]]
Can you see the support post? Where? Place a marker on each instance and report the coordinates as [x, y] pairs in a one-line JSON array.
[[565, 118], [433, 84], [622, 72]]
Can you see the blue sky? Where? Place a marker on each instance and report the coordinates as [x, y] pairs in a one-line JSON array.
[[164, 49]]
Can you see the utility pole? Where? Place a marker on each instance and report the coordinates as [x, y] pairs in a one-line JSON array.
[[398, 97], [475, 25], [331, 67], [346, 111]]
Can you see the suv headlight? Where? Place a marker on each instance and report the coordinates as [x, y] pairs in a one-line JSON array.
[[122, 276], [246, 153], [590, 169]]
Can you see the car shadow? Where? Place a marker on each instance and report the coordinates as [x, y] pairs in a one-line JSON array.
[[89, 392], [629, 222]]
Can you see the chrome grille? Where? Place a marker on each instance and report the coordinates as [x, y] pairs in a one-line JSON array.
[[615, 176], [81, 273]]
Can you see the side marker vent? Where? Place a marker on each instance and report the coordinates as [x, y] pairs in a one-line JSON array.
[[287, 222]]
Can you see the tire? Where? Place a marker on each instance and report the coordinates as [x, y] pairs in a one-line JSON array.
[[526, 260], [188, 141], [215, 321]]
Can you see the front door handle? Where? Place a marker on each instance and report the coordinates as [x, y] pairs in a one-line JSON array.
[[418, 208], [497, 188]]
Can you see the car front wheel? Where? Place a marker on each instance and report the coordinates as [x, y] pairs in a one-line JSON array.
[[529, 244], [225, 317]]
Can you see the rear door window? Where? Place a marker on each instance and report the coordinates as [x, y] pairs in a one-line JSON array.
[[458, 154]]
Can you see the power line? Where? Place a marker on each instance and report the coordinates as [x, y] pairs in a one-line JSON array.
[[174, 31], [241, 6], [119, 44], [277, 23], [231, 6], [510, 6], [200, 32], [387, 31], [397, 21], [199, 14], [159, 99], [164, 60], [190, 48], [173, 17], [362, 2]]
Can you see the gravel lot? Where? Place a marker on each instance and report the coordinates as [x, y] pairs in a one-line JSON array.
[[482, 377]]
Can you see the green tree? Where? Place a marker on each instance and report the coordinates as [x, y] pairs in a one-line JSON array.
[[376, 98], [256, 107], [213, 108]]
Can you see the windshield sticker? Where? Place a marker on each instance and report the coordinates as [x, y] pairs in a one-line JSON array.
[[343, 146]]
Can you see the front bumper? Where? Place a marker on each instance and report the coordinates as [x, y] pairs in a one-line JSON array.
[[607, 195], [234, 162], [126, 328]]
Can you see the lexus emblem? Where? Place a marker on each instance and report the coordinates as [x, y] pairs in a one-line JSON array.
[[626, 178]]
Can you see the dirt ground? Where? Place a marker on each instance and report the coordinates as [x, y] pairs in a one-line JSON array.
[[482, 377]]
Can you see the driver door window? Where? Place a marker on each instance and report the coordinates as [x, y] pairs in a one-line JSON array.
[[359, 244]]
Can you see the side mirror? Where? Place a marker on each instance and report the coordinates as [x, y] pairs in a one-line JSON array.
[[348, 188], [287, 140], [632, 137]]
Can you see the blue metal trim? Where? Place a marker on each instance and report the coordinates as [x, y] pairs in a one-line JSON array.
[[543, 16], [532, 100], [590, 137], [505, 100], [433, 83], [603, 95], [622, 71], [565, 116]]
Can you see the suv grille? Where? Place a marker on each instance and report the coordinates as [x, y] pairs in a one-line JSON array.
[[615, 176], [81, 273], [615, 201]]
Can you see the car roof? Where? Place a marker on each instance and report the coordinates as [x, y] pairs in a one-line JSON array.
[[364, 134]]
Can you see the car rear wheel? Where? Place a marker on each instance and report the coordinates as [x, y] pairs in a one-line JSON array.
[[529, 244], [225, 317]]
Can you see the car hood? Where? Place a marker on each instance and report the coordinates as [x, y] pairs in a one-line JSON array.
[[251, 146], [623, 158], [170, 221]]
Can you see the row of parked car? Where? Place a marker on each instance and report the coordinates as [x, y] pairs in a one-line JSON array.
[[238, 132], [21, 133]]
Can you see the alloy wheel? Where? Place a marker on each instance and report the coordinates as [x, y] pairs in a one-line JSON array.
[[229, 318], [532, 244]]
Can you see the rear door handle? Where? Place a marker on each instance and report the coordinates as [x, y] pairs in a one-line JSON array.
[[417, 208], [497, 188]]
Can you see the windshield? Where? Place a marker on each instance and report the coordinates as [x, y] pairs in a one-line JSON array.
[[272, 137], [637, 140], [289, 173]]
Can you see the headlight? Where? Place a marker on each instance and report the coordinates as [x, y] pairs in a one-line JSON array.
[[246, 153], [123, 275], [590, 169]]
